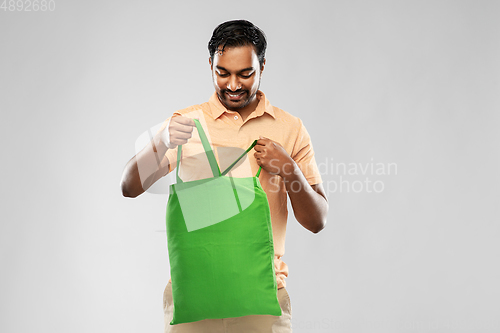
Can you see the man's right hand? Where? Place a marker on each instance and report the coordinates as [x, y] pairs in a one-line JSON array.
[[143, 170], [178, 131]]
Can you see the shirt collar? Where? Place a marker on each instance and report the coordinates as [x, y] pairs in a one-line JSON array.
[[217, 108]]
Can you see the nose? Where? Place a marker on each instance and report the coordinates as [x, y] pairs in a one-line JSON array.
[[233, 83]]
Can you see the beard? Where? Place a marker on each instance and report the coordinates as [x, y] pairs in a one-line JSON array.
[[235, 105]]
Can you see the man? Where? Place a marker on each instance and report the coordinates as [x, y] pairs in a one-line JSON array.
[[235, 115]]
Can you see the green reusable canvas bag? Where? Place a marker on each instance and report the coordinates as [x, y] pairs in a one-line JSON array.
[[220, 245]]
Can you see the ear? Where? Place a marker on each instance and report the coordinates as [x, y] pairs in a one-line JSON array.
[[210, 63], [262, 67]]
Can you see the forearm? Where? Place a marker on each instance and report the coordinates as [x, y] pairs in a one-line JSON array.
[[309, 206], [144, 169]]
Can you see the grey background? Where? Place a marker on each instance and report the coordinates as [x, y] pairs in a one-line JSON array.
[[414, 83]]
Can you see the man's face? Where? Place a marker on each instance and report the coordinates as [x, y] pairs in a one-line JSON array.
[[236, 74]]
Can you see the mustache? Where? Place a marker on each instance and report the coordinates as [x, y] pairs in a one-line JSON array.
[[233, 92]]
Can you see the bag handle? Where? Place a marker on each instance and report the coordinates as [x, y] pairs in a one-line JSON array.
[[208, 151], [239, 158], [210, 155], [258, 172]]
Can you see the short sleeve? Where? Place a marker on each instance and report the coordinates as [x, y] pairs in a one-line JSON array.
[[303, 155]]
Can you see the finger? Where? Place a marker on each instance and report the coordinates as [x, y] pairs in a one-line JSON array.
[[183, 124], [259, 156], [183, 120], [261, 142], [181, 135], [181, 128], [179, 142]]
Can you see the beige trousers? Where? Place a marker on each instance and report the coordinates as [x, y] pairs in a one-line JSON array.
[[247, 324]]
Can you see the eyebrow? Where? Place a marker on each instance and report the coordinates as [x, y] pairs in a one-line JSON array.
[[243, 70]]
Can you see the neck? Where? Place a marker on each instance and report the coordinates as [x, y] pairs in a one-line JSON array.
[[248, 109]]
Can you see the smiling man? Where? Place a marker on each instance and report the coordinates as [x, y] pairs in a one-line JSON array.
[[237, 114], [237, 87]]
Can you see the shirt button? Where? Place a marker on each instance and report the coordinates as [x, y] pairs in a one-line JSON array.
[[235, 117]]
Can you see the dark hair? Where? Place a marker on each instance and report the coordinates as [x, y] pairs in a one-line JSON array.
[[238, 33]]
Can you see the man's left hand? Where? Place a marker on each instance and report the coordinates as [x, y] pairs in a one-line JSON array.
[[272, 157]]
